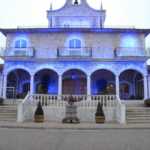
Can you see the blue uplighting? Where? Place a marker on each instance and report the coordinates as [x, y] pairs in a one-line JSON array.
[[129, 40]]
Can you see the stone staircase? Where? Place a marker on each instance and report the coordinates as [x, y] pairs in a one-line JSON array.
[[8, 113], [138, 115]]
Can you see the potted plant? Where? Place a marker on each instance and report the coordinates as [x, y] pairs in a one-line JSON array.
[[1, 101], [99, 115], [147, 102], [39, 113]]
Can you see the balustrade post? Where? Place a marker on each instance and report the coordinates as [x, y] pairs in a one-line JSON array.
[[148, 80], [145, 87], [59, 87], [117, 86], [4, 86], [88, 88], [32, 85]]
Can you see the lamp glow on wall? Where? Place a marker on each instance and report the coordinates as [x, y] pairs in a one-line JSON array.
[[129, 40]]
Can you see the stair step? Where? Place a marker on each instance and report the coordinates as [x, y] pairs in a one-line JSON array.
[[8, 113], [141, 121], [138, 115], [8, 119], [140, 110]]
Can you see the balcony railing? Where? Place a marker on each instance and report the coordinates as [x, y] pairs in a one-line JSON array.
[[66, 52], [18, 52], [74, 52], [130, 52]]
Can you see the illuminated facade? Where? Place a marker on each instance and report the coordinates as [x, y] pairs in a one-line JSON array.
[[75, 55]]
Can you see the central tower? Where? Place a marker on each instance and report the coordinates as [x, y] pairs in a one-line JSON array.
[[76, 14]]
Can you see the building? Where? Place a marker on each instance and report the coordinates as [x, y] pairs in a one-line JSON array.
[[75, 55]]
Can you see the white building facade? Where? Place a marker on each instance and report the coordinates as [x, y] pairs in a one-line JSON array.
[[76, 55]]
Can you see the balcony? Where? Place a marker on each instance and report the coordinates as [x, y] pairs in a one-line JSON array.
[[73, 53], [130, 52], [83, 52], [17, 52]]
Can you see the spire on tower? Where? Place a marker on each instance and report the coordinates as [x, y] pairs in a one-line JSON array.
[[101, 6], [51, 17], [51, 6]]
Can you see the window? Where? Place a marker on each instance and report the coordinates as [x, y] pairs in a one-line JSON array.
[[74, 43], [21, 44]]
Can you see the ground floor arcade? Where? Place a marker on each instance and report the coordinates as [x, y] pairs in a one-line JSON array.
[[129, 84]]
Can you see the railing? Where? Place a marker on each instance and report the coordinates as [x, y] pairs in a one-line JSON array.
[[46, 100], [23, 109], [18, 52], [74, 52], [120, 111], [148, 52], [83, 52], [81, 26], [110, 102], [81, 100], [129, 51]]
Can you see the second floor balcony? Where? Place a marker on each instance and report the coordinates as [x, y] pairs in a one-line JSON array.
[[17, 52], [130, 52], [73, 53]]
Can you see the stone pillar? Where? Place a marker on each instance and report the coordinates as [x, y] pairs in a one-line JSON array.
[[4, 88], [145, 87], [32, 85], [88, 88], [148, 80], [59, 86], [117, 86]]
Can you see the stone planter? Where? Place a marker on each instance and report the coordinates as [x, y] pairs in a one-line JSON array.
[[39, 113], [39, 118], [99, 115], [147, 102], [99, 119]]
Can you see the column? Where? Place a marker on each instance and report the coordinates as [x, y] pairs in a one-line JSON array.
[[88, 88], [59, 86], [117, 86], [4, 88], [32, 85], [145, 87], [148, 86]]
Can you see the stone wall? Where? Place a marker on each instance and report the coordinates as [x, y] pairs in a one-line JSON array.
[[56, 114], [52, 41]]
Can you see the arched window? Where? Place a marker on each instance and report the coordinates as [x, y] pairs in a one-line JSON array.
[[21, 43], [75, 43]]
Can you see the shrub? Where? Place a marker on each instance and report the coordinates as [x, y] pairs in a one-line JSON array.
[[39, 113], [39, 110], [1, 101], [99, 111], [147, 102]]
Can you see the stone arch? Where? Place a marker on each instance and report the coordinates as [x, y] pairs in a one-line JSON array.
[[17, 67], [46, 81], [75, 68], [107, 69], [134, 89], [131, 68], [103, 82], [43, 67], [15, 83], [74, 82]]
